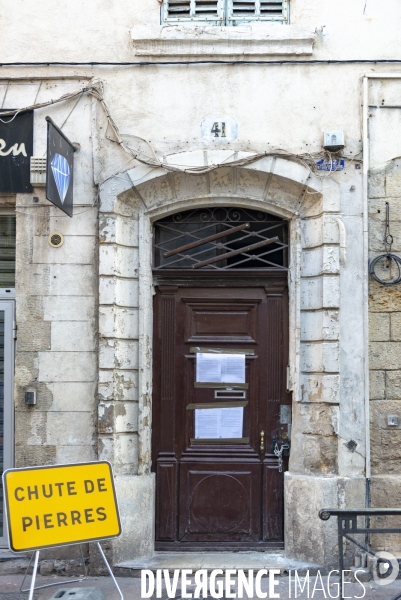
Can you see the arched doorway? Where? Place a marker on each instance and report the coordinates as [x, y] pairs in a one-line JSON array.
[[220, 276]]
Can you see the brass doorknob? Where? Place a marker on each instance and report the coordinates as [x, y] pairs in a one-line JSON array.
[[262, 441]]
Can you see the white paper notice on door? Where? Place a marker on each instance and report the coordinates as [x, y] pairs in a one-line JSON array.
[[220, 368], [216, 423]]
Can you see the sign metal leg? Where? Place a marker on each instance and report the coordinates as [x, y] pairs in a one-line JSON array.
[[35, 570], [40, 587], [109, 570]]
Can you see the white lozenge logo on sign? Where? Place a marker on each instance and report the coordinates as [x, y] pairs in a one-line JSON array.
[[220, 129]]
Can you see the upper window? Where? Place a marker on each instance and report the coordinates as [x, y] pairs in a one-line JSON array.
[[224, 12]]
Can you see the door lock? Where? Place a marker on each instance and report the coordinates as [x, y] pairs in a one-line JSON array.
[[262, 441], [280, 448]]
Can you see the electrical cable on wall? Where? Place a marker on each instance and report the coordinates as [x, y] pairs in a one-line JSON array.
[[388, 256], [95, 88]]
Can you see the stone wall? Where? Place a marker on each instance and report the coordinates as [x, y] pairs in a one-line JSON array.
[[385, 325], [57, 334]]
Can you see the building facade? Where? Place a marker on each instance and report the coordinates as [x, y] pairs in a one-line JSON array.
[[192, 119]]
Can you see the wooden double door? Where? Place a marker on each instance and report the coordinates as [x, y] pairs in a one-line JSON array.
[[212, 494]]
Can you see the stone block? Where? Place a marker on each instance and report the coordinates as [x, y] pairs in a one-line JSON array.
[[123, 292], [385, 493], [320, 454], [386, 451], [44, 396], [384, 299], [65, 430], [393, 385], [84, 223], [32, 456], [68, 308], [317, 261], [385, 355], [317, 419], [307, 537], [75, 250], [136, 498], [76, 454], [67, 366], [393, 179], [126, 417], [376, 235], [396, 327], [320, 292], [379, 327], [377, 184], [33, 336], [311, 293], [118, 260], [377, 385], [73, 396], [126, 450], [331, 291], [35, 278], [320, 325], [319, 387], [30, 428], [26, 368], [29, 308], [318, 231], [118, 354], [70, 336], [377, 209], [118, 417], [121, 450], [118, 322], [117, 229], [118, 385], [380, 409], [72, 280], [320, 357]]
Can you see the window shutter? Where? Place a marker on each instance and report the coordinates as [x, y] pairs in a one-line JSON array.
[[178, 9], [204, 11], [242, 11]]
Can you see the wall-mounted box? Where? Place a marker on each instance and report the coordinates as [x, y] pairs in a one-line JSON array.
[[38, 171], [333, 141]]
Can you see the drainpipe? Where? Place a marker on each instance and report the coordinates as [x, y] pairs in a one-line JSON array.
[[366, 151]]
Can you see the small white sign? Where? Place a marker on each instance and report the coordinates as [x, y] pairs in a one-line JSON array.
[[220, 368], [216, 423], [219, 129]]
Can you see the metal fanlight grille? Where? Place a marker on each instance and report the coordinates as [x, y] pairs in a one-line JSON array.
[[221, 239]]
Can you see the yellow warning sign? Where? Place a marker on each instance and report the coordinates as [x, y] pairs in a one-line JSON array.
[[60, 505]]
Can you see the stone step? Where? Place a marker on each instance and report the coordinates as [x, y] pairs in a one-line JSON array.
[[218, 560]]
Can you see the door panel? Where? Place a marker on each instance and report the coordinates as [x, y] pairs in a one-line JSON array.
[[226, 494], [221, 321], [219, 502]]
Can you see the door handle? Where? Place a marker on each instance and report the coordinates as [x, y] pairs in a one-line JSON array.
[[262, 441]]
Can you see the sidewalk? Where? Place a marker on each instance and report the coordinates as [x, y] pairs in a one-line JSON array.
[[131, 589]]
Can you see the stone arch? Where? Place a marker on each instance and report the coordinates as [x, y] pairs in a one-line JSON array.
[[129, 205]]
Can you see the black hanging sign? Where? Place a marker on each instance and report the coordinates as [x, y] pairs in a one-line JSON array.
[[59, 168], [16, 149]]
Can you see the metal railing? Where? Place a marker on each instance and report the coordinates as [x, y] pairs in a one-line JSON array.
[[347, 524]]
